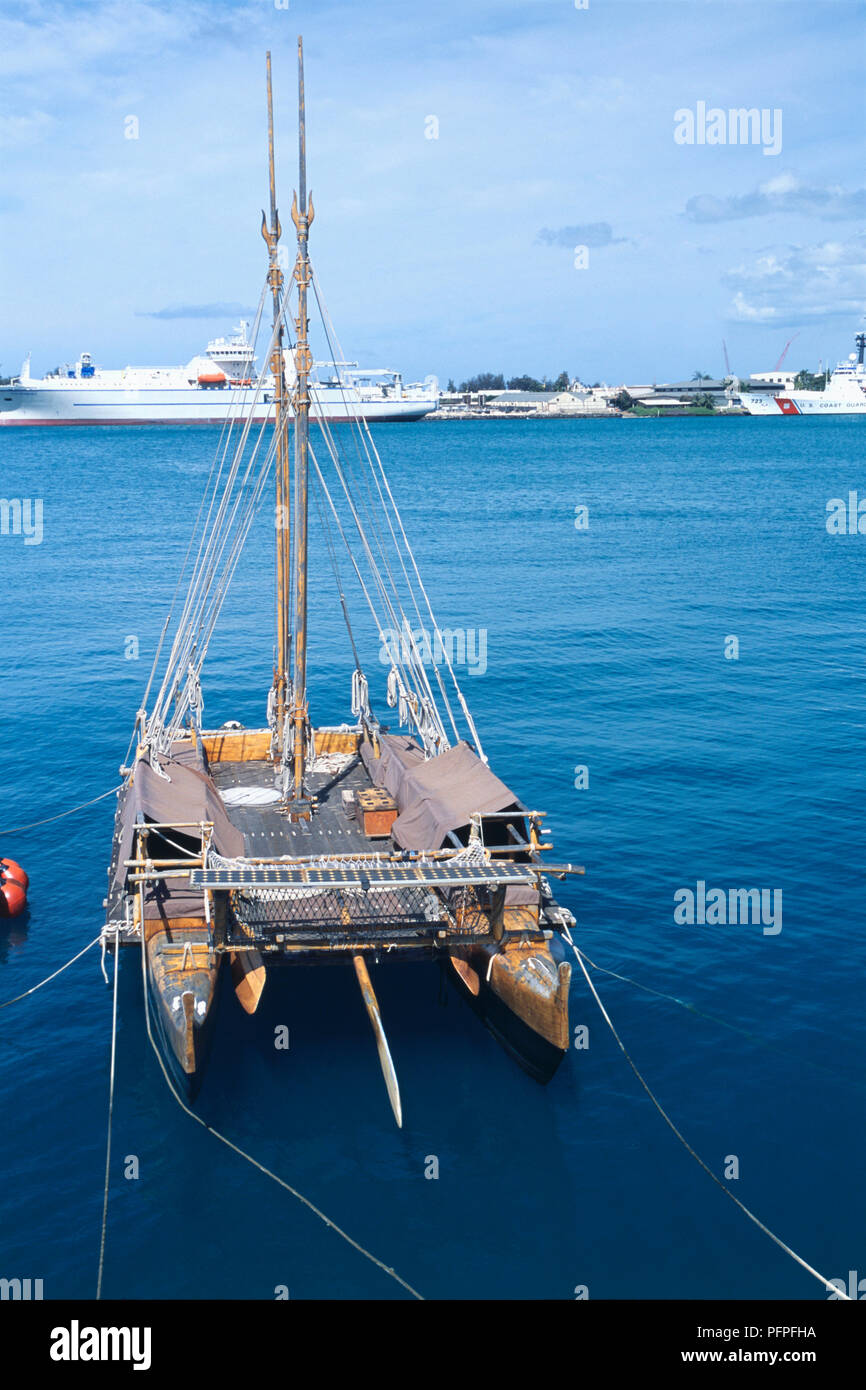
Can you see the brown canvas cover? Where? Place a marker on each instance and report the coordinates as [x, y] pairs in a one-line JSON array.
[[437, 794], [398, 755], [189, 795]]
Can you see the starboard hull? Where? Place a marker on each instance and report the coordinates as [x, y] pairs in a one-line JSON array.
[[521, 996]]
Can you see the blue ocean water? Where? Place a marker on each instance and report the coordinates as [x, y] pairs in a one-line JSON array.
[[605, 648]]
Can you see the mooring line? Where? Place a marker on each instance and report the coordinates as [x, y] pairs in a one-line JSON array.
[[712, 1018], [332, 1225], [17, 829], [687, 1146], [33, 988], [110, 1114]]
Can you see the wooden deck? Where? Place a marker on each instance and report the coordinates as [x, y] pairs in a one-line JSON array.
[[267, 830]]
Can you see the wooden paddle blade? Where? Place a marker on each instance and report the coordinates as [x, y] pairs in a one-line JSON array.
[[372, 1005], [467, 975], [248, 978]]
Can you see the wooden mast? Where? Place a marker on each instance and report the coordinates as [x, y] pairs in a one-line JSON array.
[[302, 216], [272, 236]]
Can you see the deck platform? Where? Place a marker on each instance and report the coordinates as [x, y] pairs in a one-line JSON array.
[[268, 831]]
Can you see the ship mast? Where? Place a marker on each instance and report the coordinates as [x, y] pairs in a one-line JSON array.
[[302, 216], [275, 279]]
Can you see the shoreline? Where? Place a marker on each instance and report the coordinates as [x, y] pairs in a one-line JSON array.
[[443, 416]]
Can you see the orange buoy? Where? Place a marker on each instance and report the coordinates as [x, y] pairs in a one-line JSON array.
[[15, 871], [13, 888], [13, 898]]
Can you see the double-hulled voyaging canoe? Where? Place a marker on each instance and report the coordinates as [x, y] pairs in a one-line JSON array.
[[353, 844]]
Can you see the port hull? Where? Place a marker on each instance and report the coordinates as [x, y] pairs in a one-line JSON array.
[[182, 979]]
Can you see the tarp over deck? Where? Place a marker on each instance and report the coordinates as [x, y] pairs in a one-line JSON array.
[[189, 795], [435, 795]]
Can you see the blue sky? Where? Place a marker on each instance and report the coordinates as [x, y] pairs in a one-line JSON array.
[[450, 255]]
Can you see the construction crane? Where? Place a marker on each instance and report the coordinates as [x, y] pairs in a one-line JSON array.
[[785, 351], [728, 371]]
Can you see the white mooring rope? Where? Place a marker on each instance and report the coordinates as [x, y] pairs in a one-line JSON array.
[[834, 1288], [53, 976], [392, 1273], [17, 829], [110, 1114], [712, 1018]]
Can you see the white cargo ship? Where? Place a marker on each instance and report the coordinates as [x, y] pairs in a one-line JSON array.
[[210, 388], [844, 393]]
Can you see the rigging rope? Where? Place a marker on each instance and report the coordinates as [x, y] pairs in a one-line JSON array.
[[401, 626], [687, 1146], [362, 434], [233, 512], [332, 555], [229, 505], [398, 671], [332, 1225], [220, 453], [371, 452], [200, 630], [419, 682], [110, 1115]]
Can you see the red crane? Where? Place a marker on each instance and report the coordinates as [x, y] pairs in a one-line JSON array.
[[785, 351]]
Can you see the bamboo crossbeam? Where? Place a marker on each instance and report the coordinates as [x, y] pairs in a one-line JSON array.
[[195, 861], [159, 876], [174, 825], [163, 863], [150, 869]]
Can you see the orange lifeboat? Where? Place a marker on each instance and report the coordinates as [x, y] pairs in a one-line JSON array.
[[211, 379]]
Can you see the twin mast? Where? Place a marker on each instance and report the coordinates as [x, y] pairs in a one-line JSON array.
[[290, 697]]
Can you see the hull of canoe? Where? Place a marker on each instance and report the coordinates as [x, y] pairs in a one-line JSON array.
[[182, 978], [521, 995]]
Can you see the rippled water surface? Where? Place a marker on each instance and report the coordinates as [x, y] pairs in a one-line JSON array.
[[605, 648]]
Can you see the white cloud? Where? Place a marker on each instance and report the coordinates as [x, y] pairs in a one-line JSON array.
[[751, 313], [38, 39], [784, 194], [801, 283], [16, 131]]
